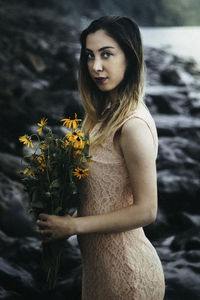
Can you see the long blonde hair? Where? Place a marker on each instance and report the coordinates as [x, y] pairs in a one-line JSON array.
[[97, 104]]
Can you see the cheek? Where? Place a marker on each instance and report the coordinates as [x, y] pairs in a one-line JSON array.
[[120, 71], [89, 66], [125, 65], [124, 68], [120, 68]]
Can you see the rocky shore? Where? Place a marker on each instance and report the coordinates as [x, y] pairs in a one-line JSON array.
[[38, 57]]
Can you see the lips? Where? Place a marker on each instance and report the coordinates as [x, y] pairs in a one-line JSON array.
[[100, 79]]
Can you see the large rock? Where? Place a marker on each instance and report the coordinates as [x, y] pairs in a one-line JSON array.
[[38, 71]]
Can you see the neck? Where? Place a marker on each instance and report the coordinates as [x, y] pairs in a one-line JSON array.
[[113, 96]]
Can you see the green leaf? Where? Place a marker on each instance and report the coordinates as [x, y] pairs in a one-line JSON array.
[[58, 210], [36, 201], [47, 194], [37, 204], [72, 185], [55, 184]]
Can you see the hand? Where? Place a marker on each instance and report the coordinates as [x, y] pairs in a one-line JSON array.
[[52, 227]]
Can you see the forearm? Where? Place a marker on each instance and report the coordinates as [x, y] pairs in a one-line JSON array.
[[124, 219]]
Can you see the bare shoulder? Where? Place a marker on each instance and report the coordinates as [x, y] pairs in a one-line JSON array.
[[136, 138]]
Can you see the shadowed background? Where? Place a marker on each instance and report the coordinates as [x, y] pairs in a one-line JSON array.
[[39, 50]]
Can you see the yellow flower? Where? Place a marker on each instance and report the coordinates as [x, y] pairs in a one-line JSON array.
[[26, 140], [42, 123], [42, 162], [80, 173], [28, 172], [76, 153], [66, 143], [68, 123], [34, 157], [79, 143], [75, 138]]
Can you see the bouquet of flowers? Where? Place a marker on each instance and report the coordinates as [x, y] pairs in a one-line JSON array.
[[52, 179]]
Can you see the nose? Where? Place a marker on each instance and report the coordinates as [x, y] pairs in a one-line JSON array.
[[97, 65]]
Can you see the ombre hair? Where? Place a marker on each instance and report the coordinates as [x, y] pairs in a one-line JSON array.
[[130, 91]]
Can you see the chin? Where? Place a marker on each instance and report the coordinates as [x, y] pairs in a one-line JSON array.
[[106, 89]]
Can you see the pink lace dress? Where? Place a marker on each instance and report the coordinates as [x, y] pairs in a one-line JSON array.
[[117, 266]]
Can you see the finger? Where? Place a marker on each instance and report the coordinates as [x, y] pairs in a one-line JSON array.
[[44, 233], [43, 217], [41, 223]]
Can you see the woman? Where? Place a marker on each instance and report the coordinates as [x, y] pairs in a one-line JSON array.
[[119, 262]]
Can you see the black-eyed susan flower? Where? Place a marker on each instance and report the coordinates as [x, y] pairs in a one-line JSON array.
[[76, 138], [26, 140], [68, 123], [29, 172], [79, 143], [80, 173], [77, 153], [42, 123], [41, 160], [66, 143]]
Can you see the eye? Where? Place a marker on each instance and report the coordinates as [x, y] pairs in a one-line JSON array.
[[106, 54], [89, 56]]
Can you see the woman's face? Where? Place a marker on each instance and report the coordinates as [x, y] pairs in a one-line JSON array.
[[106, 60]]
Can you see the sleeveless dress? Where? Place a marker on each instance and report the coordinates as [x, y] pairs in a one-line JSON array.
[[124, 265]]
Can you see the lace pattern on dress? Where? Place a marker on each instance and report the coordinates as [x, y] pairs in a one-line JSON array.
[[117, 266]]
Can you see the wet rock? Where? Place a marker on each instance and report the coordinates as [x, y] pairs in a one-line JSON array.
[[171, 76], [40, 65], [15, 221], [181, 266], [182, 279], [11, 165], [188, 240], [178, 126], [21, 256], [178, 191], [19, 277], [174, 104]]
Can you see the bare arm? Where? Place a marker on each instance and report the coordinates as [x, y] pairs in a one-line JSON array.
[[139, 153]]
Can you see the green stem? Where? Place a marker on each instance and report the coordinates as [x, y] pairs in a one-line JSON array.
[[63, 191], [34, 134]]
